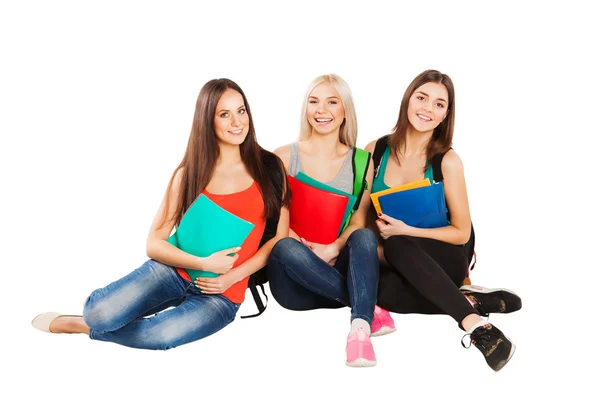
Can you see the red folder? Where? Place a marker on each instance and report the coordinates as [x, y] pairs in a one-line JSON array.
[[315, 214]]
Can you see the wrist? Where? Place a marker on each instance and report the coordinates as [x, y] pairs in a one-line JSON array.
[[201, 264], [410, 231], [234, 275], [338, 245]]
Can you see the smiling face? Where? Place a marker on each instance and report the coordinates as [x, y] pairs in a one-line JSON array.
[[428, 106], [231, 119], [325, 111]]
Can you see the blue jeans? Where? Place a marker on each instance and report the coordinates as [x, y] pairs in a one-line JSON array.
[[300, 280], [117, 312]]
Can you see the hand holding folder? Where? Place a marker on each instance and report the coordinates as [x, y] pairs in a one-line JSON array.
[[315, 214], [423, 207], [411, 185], [207, 228]]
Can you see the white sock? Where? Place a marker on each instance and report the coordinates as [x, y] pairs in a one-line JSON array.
[[360, 323], [481, 322]]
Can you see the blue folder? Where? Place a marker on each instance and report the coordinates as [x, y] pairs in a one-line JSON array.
[[206, 228], [302, 177], [423, 207]]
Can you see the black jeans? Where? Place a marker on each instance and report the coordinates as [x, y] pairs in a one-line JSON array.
[[423, 277]]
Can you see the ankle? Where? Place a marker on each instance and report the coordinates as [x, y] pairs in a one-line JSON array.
[[69, 324], [360, 323], [471, 322]]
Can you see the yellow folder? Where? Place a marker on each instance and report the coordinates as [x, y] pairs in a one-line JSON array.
[[406, 186]]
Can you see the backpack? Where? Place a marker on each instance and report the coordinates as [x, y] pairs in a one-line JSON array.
[[360, 165], [436, 166], [260, 277]]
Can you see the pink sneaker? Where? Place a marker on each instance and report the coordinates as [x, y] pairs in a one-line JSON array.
[[359, 350], [382, 322]]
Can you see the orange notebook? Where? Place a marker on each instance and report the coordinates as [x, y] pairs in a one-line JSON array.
[[411, 185], [315, 214]]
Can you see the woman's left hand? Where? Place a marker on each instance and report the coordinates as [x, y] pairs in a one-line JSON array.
[[326, 252], [392, 228], [214, 285]]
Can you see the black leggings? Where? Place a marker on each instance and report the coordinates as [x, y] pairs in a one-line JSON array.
[[423, 277]]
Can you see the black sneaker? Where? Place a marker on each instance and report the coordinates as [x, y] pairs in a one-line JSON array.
[[489, 301], [495, 347]]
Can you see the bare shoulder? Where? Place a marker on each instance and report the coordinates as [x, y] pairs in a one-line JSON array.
[[283, 153], [371, 146], [451, 163]]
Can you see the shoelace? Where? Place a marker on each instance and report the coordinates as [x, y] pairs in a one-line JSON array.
[[478, 306], [481, 340], [481, 311]]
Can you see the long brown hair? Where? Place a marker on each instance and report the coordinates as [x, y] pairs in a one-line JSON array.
[[441, 140], [202, 152]]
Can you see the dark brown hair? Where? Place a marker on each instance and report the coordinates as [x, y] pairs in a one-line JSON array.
[[441, 140], [202, 152]]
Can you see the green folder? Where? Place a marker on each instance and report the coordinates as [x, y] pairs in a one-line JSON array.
[[206, 228], [302, 177]]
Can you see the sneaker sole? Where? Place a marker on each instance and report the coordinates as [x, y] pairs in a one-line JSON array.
[[479, 289], [361, 362], [383, 331], [501, 364]]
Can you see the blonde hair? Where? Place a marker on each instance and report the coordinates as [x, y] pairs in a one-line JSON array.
[[349, 128]]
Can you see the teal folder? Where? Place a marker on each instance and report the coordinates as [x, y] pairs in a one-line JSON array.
[[302, 177], [207, 228]]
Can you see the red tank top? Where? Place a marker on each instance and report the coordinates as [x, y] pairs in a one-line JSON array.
[[247, 204]]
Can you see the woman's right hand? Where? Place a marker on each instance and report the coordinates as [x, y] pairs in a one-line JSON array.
[[220, 262]]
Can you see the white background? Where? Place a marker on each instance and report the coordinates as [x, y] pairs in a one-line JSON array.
[[96, 104]]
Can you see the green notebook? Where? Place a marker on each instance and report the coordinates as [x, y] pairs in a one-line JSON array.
[[302, 177], [206, 228]]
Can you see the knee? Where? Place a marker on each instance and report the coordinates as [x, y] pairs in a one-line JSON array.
[[98, 314], [364, 238], [396, 243], [169, 335], [286, 248]]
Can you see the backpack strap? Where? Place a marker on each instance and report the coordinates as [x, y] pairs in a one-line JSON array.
[[380, 146], [360, 165], [436, 166], [361, 158], [259, 304], [276, 177]]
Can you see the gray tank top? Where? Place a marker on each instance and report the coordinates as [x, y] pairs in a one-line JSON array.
[[344, 180]]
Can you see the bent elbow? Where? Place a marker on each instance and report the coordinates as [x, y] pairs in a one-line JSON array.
[[151, 248], [464, 237]]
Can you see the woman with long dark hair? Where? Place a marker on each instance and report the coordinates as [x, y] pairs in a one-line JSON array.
[[422, 269], [157, 306]]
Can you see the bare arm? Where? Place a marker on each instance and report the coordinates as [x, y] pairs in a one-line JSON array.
[[359, 218], [455, 190], [330, 252], [164, 252], [284, 153], [260, 258], [250, 266]]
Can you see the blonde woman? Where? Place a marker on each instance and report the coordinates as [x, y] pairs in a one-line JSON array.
[[305, 275]]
